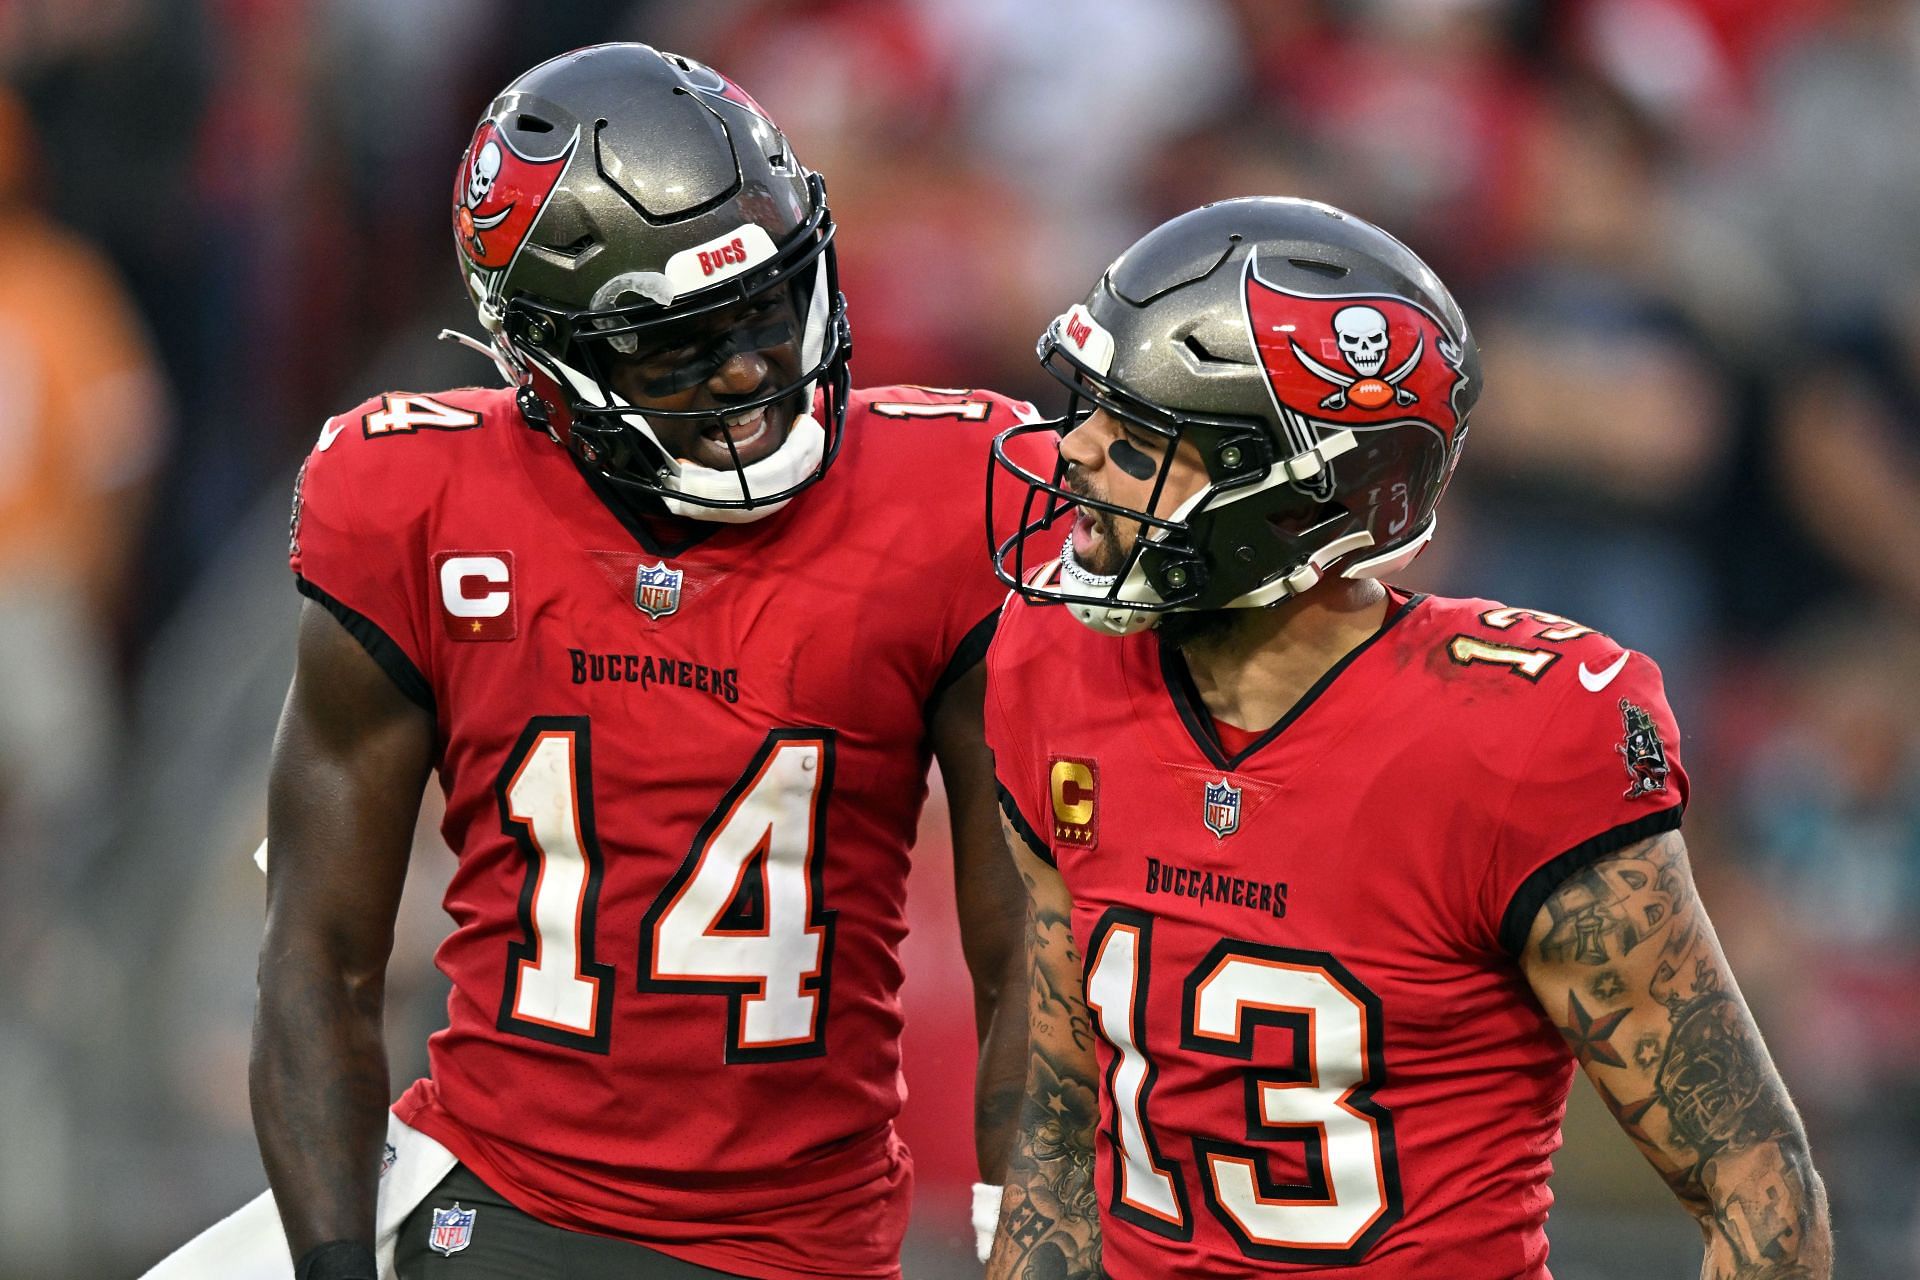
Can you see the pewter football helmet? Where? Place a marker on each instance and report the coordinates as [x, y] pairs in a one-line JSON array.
[[618, 189], [1325, 375]]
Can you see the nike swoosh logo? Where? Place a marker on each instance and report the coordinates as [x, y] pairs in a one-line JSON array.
[[330, 433], [1595, 681]]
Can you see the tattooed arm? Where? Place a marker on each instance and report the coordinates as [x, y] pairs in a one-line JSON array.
[[1626, 963], [1049, 1216]]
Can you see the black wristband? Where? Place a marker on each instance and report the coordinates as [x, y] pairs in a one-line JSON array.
[[338, 1260]]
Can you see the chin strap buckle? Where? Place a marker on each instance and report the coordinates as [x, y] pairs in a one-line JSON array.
[[1302, 467]]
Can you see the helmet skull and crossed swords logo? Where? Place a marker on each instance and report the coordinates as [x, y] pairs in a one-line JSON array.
[[1361, 334], [481, 176]]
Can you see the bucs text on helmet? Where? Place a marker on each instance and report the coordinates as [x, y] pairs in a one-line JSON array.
[[1321, 369], [615, 191]]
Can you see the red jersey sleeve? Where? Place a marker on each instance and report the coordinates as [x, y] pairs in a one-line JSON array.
[[357, 549], [967, 422], [1022, 786], [1604, 772]]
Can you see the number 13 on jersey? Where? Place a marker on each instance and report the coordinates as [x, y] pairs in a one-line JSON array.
[[1316, 1098], [742, 917]]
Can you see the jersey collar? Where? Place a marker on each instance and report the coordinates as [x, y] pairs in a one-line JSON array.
[[1198, 722]]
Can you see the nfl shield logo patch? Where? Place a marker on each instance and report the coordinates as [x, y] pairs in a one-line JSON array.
[[656, 590], [1221, 810], [452, 1229]]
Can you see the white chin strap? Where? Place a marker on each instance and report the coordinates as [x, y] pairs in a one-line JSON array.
[[784, 468], [1120, 618], [1124, 617], [1108, 619]]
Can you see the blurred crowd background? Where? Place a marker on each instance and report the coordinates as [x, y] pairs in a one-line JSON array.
[[1686, 231]]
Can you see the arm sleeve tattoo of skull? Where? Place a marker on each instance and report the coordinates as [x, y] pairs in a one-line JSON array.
[[1626, 964]]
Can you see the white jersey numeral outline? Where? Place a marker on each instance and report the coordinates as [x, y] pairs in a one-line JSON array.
[[1321, 1099], [1531, 663], [1148, 1191], [406, 414], [965, 410], [774, 973], [773, 966], [555, 989]]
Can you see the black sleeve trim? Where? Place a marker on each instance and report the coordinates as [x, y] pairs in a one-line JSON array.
[[1517, 921], [379, 645], [1011, 808], [966, 655]]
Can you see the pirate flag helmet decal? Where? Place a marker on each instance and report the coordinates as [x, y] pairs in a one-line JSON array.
[[1320, 369], [1361, 360], [498, 193]]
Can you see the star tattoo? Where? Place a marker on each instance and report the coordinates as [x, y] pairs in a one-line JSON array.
[[1646, 1051], [1588, 1036], [1630, 1114]]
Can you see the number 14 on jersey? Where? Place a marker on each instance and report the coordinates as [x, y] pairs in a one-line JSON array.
[[741, 918]]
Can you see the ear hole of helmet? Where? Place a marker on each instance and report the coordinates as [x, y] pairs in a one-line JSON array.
[[1200, 353]]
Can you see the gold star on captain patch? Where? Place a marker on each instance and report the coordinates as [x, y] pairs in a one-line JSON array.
[[474, 626]]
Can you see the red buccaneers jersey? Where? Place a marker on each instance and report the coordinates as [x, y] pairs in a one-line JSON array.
[[681, 782], [1318, 1053]]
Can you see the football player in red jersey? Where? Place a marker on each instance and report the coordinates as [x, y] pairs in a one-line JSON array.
[[680, 697], [1331, 885]]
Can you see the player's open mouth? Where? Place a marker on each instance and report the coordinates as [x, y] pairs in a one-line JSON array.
[[1086, 533], [743, 429]]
